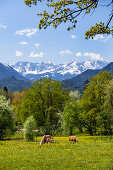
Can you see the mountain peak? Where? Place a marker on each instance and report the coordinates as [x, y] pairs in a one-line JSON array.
[[34, 71]]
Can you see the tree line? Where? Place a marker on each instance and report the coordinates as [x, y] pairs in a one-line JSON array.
[[56, 110]]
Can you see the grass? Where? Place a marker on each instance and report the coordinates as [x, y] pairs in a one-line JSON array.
[[89, 154]]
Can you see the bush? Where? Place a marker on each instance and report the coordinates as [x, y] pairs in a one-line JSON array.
[[6, 120], [29, 126]]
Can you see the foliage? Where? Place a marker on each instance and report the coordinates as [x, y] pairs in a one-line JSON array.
[[74, 96], [99, 29], [6, 120], [69, 10], [8, 94], [108, 108], [43, 100], [18, 96], [60, 155], [71, 116], [92, 101], [16, 103], [29, 126], [94, 111]]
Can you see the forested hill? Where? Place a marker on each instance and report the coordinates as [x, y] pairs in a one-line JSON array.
[[14, 84], [78, 82], [109, 67], [13, 80]]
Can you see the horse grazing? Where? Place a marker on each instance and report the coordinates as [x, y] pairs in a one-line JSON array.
[[44, 139], [48, 136], [50, 140], [73, 139]]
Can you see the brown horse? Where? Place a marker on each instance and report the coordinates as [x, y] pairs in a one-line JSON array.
[[45, 138], [50, 140], [73, 138]]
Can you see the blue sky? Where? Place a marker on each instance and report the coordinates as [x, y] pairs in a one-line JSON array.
[[20, 39]]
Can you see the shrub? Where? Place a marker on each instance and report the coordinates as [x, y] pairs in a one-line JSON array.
[[29, 126], [6, 120]]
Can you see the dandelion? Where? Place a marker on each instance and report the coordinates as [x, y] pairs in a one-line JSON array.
[[79, 159]]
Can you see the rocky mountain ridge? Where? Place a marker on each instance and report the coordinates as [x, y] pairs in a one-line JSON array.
[[34, 71]]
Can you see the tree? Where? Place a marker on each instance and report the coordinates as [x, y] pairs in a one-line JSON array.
[[29, 126], [6, 91], [43, 100], [69, 10], [8, 94], [85, 84], [92, 101], [107, 113], [6, 120], [71, 116], [16, 103]]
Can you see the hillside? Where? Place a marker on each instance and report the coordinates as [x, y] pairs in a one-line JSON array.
[[13, 84], [7, 71], [13, 80], [79, 81]]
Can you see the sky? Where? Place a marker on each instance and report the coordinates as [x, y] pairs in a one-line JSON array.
[[21, 40]]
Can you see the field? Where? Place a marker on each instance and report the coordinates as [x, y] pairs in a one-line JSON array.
[[90, 153]]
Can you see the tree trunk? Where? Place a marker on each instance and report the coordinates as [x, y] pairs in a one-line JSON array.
[[90, 131], [80, 129], [71, 131]]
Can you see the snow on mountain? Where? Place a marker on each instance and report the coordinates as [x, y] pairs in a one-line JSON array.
[[7, 71], [34, 71]]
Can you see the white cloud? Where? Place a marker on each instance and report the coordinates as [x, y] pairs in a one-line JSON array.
[[28, 32], [99, 36], [19, 53], [23, 42], [3, 26], [36, 55], [68, 52], [107, 38], [93, 56], [102, 37], [36, 45], [73, 36], [79, 54]]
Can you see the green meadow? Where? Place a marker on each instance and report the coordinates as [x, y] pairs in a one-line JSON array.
[[89, 153]]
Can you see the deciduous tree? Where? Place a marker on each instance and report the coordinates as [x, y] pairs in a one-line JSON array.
[[43, 100], [71, 116], [63, 11], [107, 113], [6, 120], [92, 101], [29, 126], [16, 103]]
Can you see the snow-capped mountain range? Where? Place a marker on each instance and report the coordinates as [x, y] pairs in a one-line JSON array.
[[34, 71]]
